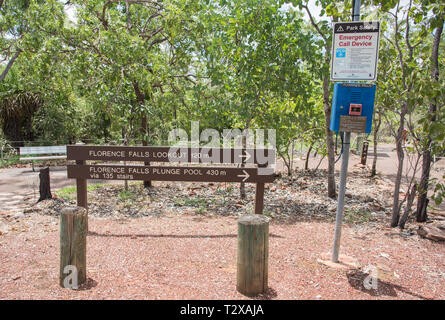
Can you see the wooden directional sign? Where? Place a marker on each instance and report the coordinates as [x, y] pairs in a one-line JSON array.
[[201, 174], [171, 154], [82, 172]]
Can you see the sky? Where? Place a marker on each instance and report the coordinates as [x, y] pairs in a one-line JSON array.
[[70, 12], [315, 10]]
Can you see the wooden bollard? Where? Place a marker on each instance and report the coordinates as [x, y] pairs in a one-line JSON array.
[[73, 241], [253, 255]]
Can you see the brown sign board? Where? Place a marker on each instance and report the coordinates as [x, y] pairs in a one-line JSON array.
[[171, 154], [82, 172], [352, 124], [197, 174]]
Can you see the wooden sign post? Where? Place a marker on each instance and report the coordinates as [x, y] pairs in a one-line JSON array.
[[258, 173], [253, 255]]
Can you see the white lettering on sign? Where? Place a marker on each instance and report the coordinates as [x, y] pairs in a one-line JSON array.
[[139, 154], [124, 177], [103, 153], [163, 171], [355, 51], [169, 155], [98, 169], [193, 172], [200, 156], [133, 170]]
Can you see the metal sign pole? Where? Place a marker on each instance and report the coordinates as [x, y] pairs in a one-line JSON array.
[[341, 196], [344, 169]]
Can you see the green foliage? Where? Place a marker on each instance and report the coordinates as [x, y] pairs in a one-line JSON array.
[[198, 203], [148, 67], [438, 190], [126, 195], [358, 217], [69, 193]]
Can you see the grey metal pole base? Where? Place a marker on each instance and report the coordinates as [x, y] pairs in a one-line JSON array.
[[341, 196]]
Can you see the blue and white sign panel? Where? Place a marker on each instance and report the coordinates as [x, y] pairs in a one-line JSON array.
[[355, 48]]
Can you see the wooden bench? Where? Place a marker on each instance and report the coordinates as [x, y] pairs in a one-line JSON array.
[[48, 152]]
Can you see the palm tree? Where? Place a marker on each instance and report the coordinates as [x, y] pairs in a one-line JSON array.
[[16, 113]]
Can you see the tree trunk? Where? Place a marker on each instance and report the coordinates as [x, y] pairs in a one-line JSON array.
[[319, 163], [106, 126], [375, 141], [409, 203], [286, 163], [422, 202], [291, 160], [242, 186], [308, 154], [12, 128], [45, 187], [358, 143], [125, 138], [9, 65], [400, 157], [147, 183], [329, 139], [421, 211], [364, 154], [141, 100]]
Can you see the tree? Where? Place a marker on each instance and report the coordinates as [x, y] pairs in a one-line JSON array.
[[432, 121], [335, 11], [256, 54], [19, 33], [134, 47], [16, 112], [406, 77], [27, 76]]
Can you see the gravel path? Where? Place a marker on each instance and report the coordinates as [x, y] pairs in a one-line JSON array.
[[178, 241], [15, 202], [190, 257]]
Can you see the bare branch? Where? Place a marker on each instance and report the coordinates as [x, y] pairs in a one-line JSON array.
[[408, 44], [154, 42], [127, 7], [397, 46], [186, 77], [388, 121], [9, 65], [305, 7], [151, 35], [435, 51]]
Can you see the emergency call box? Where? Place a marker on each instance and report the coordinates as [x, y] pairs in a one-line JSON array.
[[352, 107]]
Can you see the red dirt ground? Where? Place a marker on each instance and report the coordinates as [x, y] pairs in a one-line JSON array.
[[190, 257]]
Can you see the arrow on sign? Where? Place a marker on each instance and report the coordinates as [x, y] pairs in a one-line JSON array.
[[247, 156], [245, 175]]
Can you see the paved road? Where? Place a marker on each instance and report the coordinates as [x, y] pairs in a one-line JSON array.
[[20, 186], [386, 163]]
